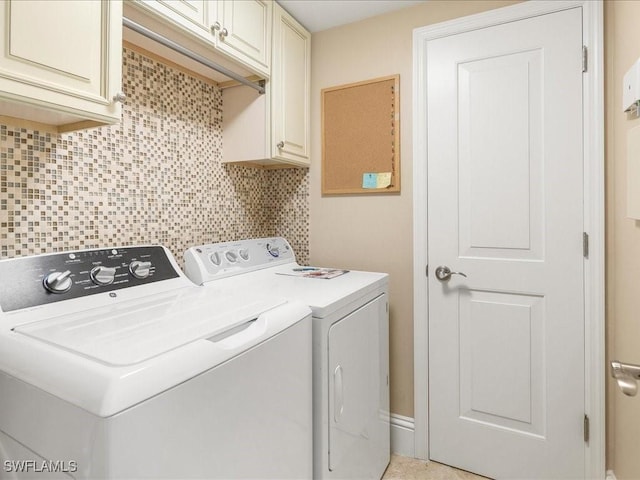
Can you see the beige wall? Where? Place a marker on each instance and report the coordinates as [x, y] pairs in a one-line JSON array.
[[374, 232], [622, 48]]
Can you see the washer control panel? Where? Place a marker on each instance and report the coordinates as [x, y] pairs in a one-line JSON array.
[[32, 281], [217, 260]]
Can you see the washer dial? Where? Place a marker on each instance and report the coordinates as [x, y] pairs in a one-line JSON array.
[[58, 282], [140, 269], [102, 275]]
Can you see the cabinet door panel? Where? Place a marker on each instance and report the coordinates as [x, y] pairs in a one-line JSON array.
[[193, 10], [40, 37], [61, 61], [248, 37], [191, 15], [290, 80]]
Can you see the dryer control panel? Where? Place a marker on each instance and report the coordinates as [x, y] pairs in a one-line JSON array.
[[217, 260], [41, 279]]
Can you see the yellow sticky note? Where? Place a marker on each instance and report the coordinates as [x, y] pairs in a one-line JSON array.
[[383, 180]]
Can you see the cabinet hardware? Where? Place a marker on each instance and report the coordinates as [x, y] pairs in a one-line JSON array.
[[119, 97], [223, 33], [280, 145]]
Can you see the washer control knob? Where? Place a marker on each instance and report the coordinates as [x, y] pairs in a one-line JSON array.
[[140, 269], [58, 282], [231, 256], [244, 253], [215, 258], [102, 275], [273, 250]]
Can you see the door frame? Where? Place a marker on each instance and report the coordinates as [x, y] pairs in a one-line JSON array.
[[594, 272]]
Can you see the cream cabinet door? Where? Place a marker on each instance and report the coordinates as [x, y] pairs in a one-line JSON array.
[[192, 15], [243, 31], [61, 61], [290, 83]]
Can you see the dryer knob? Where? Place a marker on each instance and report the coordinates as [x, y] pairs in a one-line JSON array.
[[58, 282], [231, 256], [102, 275], [273, 250], [215, 259], [140, 269], [244, 253]]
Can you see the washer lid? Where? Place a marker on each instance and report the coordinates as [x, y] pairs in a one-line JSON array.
[[133, 332]]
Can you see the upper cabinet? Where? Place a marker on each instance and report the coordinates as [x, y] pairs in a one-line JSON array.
[[290, 89], [243, 31], [239, 30], [272, 130], [61, 62]]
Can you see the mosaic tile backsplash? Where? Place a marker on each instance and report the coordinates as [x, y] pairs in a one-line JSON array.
[[155, 178]]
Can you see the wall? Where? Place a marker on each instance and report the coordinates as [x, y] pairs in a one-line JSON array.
[[374, 232], [622, 48], [154, 178]]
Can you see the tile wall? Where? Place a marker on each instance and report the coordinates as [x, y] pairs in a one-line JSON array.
[[154, 178]]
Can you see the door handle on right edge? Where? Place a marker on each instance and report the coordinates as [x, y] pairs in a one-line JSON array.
[[627, 376], [443, 273]]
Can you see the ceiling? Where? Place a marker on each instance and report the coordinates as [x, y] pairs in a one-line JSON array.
[[318, 15]]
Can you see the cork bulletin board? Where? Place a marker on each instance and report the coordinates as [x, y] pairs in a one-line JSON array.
[[361, 137]]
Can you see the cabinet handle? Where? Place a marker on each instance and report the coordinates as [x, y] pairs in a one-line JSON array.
[[280, 145], [215, 27], [119, 97], [223, 33]]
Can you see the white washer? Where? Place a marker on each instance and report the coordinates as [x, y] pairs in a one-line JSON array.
[[114, 365], [350, 345]]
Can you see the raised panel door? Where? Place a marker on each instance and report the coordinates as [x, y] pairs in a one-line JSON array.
[[290, 80], [245, 31], [61, 55], [505, 207]]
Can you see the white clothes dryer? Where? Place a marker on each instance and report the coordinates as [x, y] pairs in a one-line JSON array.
[[114, 365], [350, 345]]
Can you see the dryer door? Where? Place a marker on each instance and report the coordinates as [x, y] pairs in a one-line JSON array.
[[359, 392]]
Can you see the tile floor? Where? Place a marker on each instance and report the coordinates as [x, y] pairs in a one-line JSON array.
[[404, 468]]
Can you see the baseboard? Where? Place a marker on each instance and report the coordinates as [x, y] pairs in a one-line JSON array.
[[402, 435], [403, 439]]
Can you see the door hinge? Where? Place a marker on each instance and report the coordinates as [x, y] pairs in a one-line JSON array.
[[585, 244], [585, 57], [586, 429], [426, 270]]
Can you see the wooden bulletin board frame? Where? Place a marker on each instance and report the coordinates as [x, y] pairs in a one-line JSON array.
[[361, 135]]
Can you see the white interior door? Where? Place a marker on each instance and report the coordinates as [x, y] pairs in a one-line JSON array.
[[505, 207]]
